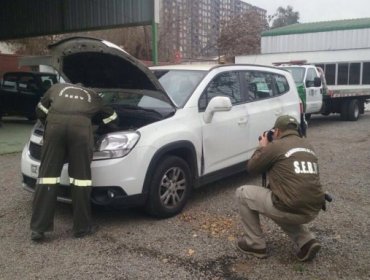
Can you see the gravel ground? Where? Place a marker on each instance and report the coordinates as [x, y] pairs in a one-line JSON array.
[[198, 244]]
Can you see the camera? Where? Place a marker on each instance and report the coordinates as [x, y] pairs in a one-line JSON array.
[[269, 135]]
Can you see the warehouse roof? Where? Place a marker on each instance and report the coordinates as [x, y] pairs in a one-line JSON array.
[[321, 26]]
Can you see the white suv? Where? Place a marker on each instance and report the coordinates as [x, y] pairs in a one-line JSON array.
[[180, 126]]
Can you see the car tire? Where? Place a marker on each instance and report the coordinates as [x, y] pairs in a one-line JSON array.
[[353, 110], [326, 109], [170, 188]]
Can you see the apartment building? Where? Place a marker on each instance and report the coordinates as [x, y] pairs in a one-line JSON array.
[[190, 28]]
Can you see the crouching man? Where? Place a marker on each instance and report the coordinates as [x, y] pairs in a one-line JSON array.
[[293, 197]]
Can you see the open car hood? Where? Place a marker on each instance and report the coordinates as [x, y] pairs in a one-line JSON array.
[[101, 64]]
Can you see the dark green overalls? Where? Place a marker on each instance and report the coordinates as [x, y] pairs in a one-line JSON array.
[[67, 111]]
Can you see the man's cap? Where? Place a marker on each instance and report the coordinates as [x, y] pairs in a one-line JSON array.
[[286, 122]]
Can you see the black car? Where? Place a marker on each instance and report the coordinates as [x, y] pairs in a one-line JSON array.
[[21, 91]]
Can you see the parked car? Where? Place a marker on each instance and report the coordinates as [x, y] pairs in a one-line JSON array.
[[181, 126], [21, 91]]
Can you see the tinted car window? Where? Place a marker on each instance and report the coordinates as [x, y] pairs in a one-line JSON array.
[[225, 84], [27, 83], [259, 85], [282, 85], [9, 85], [47, 81]]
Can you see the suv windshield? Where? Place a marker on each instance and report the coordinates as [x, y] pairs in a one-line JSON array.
[[297, 73], [179, 84], [134, 100]]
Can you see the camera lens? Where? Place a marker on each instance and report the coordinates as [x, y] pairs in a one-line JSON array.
[[270, 135]]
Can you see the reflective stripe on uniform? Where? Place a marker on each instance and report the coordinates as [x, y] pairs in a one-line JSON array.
[[80, 183], [111, 118], [48, 181], [42, 108]]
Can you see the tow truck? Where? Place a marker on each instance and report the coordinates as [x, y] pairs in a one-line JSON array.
[[318, 98]]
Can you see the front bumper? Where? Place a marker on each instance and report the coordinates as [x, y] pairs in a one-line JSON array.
[[115, 181], [104, 196]]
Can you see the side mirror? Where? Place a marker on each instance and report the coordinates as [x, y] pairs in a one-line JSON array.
[[217, 104], [317, 82]]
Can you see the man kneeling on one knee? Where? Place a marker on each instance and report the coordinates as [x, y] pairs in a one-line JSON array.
[[293, 197]]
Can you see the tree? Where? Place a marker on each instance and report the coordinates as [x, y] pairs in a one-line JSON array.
[[34, 45], [284, 17], [242, 34], [134, 40]]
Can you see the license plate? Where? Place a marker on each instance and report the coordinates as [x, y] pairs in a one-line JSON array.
[[34, 169]]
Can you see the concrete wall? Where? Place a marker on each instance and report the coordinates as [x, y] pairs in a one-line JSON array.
[[9, 62]]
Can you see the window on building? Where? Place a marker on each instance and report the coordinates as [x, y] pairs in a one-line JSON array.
[[354, 73], [343, 73], [330, 70], [366, 73]]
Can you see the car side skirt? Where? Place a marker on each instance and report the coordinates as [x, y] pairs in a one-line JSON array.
[[221, 174]]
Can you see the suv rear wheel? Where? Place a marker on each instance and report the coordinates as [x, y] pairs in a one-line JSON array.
[[170, 188]]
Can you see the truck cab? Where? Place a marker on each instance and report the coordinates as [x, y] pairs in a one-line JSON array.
[[309, 86]]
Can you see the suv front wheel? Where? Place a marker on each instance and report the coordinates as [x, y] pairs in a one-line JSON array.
[[169, 188]]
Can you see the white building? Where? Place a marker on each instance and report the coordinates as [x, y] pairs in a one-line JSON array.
[[341, 48]]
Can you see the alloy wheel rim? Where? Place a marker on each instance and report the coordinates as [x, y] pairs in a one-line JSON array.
[[172, 187]]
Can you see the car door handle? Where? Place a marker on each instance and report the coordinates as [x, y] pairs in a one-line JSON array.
[[278, 113], [242, 121]]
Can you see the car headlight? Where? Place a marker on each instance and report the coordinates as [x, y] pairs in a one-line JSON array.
[[116, 145]]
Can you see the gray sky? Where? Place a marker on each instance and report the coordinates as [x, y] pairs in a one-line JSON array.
[[318, 10]]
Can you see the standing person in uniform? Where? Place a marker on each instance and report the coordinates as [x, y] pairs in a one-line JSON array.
[[293, 197], [66, 111]]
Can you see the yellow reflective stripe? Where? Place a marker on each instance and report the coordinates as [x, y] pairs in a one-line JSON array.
[[111, 118], [80, 183], [48, 181], [42, 108]]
